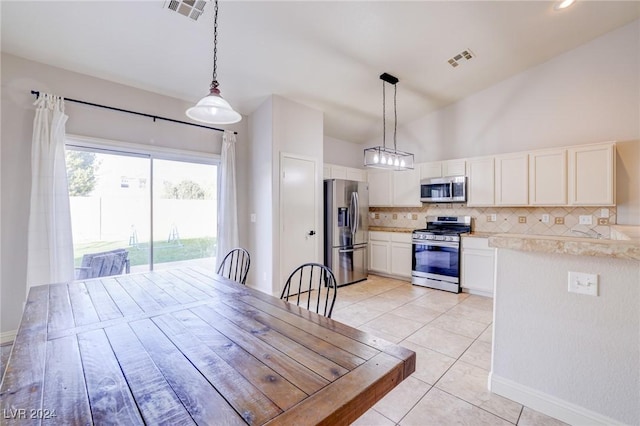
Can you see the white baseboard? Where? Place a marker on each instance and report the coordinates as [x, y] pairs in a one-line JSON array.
[[547, 404], [8, 336]]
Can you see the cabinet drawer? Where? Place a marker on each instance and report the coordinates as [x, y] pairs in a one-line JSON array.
[[401, 237], [379, 236], [476, 243]]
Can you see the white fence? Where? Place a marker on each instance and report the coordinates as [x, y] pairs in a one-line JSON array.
[[117, 218]]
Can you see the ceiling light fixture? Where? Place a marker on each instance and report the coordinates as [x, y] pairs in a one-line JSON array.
[[382, 157], [563, 4], [213, 109]]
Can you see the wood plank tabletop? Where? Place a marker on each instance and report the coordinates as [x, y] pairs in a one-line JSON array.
[[186, 346]]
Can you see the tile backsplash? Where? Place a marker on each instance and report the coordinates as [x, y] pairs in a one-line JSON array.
[[563, 221]]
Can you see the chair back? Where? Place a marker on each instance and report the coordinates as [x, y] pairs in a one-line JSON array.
[[311, 286], [235, 265], [103, 264]]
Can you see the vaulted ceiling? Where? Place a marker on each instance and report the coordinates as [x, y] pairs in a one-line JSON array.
[[327, 55]]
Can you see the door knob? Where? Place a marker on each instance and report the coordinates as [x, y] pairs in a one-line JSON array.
[[312, 232]]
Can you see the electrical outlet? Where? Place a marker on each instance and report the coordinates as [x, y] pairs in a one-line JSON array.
[[253, 218], [604, 213], [586, 219], [545, 218], [522, 219], [559, 221], [583, 283], [372, 215]]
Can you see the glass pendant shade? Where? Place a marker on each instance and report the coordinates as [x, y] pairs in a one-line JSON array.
[[387, 158], [213, 109]]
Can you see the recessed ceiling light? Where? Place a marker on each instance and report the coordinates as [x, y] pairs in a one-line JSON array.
[[563, 4]]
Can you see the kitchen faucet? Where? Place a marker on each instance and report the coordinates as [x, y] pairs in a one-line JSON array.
[[597, 235]]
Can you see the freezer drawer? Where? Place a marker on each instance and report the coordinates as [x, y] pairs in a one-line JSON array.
[[349, 264]]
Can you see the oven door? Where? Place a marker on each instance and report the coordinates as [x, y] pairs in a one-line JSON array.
[[436, 264]]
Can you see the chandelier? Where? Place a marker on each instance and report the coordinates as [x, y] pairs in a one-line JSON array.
[[382, 157], [213, 109]]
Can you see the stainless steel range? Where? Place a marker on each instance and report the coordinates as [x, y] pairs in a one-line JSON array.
[[436, 252]]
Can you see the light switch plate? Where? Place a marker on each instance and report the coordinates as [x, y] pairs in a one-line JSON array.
[[583, 283], [253, 217]]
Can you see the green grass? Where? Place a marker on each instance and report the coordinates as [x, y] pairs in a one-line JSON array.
[[194, 248]]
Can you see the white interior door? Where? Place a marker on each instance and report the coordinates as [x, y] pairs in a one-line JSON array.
[[299, 226]]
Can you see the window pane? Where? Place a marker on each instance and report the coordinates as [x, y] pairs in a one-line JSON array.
[[184, 214], [110, 205]]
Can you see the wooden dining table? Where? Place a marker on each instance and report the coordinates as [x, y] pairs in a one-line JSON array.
[[187, 346]]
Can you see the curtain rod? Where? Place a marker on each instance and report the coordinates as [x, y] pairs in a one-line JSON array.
[[155, 117]]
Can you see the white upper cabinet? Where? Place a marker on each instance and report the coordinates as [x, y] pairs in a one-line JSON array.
[[454, 168], [379, 188], [431, 170], [332, 171], [512, 180], [592, 174], [548, 177], [406, 188], [438, 169], [356, 174], [481, 179]]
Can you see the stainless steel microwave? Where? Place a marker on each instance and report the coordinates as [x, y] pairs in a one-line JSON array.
[[444, 190]]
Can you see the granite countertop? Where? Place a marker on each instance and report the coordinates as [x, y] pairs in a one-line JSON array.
[[390, 229], [479, 234], [620, 249]]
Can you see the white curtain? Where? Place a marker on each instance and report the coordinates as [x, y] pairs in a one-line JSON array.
[[50, 249], [227, 205]]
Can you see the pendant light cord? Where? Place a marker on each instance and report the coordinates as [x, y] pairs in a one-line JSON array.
[[395, 119], [384, 115], [214, 81]]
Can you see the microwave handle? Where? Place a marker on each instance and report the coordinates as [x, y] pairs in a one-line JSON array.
[[451, 189]]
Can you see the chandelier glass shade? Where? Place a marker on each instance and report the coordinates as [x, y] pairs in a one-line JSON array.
[[381, 157], [213, 108]]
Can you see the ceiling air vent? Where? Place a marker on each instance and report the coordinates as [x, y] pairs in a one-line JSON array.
[[465, 54], [189, 8]]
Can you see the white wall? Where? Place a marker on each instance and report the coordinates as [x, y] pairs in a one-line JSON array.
[[570, 348], [344, 153], [19, 77]]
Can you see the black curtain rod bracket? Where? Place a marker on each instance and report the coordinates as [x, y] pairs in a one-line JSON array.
[[154, 117]]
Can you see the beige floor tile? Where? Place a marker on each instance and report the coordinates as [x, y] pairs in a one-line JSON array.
[[372, 418], [433, 304], [458, 324], [473, 313], [430, 365], [469, 383], [479, 302], [487, 335], [405, 293], [395, 325], [380, 303], [478, 354], [355, 315], [442, 341], [416, 313], [440, 408], [401, 399], [531, 417], [385, 336]]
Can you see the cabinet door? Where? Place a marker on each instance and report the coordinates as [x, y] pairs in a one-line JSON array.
[[406, 188], [356, 174], [512, 180], [379, 256], [326, 171], [379, 187], [338, 172], [548, 178], [401, 259], [430, 170], [478, 271], [454, 168], [480, 182], [592, 175]]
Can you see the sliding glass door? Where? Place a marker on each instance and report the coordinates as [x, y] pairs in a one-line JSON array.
[[119, 200]]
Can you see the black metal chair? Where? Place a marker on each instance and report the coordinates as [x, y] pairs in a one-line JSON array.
[[103, 264], [235, 265], [313, 285]]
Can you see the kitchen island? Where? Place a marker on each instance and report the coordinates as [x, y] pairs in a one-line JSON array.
[[572, 356]]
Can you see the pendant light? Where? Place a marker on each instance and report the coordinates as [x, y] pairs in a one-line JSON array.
[[382, 157], [213, 109]]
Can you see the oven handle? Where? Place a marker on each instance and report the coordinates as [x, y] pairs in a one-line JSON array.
[[436, 243]]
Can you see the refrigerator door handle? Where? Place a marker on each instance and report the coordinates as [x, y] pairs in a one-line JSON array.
[[352, 214], [356, 212], [346, 250]]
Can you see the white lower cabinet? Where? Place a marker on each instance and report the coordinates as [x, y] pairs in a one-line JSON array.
[[390, 253], [478, 266]]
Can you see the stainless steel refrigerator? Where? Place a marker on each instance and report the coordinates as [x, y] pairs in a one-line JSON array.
[[346, 213]]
